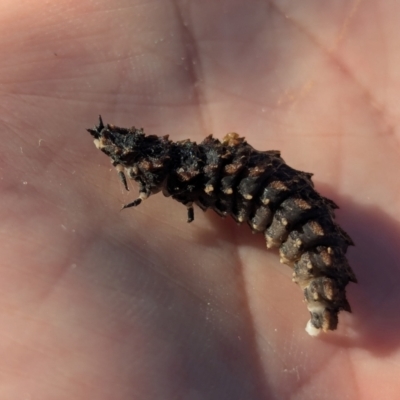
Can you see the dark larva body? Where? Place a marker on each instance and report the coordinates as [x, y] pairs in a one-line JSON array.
[[257, 187]]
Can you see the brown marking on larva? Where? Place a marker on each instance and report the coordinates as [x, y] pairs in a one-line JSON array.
[[302, 204], [326, 258], [119, 168], [271, 242], [298, 243], [256, 171], [257, 187], [186, 175], [157, 164], [232, 169], [317, 228], [228, 191], [210, 169], [278, 185], [232, 139], [145, 165], [328, 289], [209, 188], [183, 141]]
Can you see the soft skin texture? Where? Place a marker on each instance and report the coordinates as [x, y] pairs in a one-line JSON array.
[[102, 304]]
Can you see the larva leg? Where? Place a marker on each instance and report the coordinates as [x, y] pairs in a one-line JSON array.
[[136, 202], [132, 204], [144, 193], [190, 212], [122, 176], [123, 180]]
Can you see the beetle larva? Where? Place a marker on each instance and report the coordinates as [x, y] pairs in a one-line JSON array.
[[257, 187]]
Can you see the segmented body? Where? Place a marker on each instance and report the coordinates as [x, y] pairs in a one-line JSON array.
[[257, 187]]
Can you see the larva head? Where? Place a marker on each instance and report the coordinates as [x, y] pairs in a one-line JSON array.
[[124, 146], [141, 157]]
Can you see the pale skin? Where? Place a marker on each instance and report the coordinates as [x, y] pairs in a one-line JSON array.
[[137, 304]]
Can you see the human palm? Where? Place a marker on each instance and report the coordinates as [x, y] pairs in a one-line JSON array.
[[98, 303]]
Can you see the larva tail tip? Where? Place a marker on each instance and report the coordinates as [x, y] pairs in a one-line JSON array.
[[312, 330]]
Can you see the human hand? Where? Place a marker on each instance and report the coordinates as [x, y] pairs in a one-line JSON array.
[[138, 304]]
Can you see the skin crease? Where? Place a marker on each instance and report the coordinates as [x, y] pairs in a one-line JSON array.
[[98, 303]]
